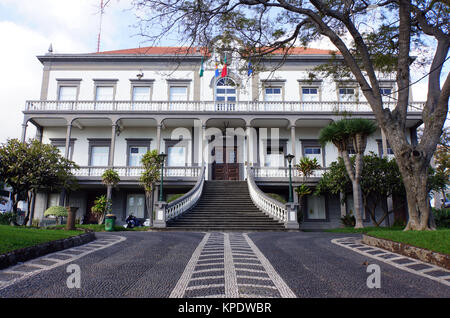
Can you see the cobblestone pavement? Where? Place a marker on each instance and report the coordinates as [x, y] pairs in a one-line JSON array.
[[405, 263], [192, 264], [229, 265]]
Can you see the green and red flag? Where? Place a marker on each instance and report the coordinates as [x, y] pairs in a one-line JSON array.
[[224, 70]]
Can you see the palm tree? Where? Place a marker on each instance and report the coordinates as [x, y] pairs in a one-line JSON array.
[[343, 133], [152, 164], [110, 178], [306, 167]]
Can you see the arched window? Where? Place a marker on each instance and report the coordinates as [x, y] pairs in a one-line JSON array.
[[225, 94]]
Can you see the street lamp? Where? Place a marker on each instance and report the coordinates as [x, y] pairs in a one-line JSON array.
[[162, 156], [289, 158]]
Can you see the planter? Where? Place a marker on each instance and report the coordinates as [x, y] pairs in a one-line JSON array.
[[422, 254], [31, 252]]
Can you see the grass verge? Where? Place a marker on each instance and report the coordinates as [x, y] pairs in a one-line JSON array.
[[437, 241], [101, 227], [17, 237]]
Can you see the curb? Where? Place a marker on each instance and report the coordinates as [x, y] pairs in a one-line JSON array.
[[422, 254], [31, 252]]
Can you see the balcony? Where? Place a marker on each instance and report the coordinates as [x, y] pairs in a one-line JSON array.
[[133, 173], [207, 106], [282, 174]]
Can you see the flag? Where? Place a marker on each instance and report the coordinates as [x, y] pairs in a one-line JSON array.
[[250, 68], [224, 70], [217, 74], [201, 69]]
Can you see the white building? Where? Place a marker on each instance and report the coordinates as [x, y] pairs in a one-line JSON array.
[[107, 109]]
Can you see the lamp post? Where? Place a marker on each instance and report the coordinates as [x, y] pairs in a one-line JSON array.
[[289, 158], [162, 156]]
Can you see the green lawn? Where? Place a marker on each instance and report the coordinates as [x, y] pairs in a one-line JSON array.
[[363, 230], [101, 227], [15, 237], [438, 241]]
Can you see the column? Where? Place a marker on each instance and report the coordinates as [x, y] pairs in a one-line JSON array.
[[24, 131], [158, 138], [293, 143], [62, 197], [68, 134], [202, 146], [113, 145]]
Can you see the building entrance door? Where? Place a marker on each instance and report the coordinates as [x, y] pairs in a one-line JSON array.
[[225, 166]]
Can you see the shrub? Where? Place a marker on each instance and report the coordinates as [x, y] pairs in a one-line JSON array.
[[56, 211], [442, 217], [174, 197], [35, 223], [348, 220], [277, 197], [7, 218]]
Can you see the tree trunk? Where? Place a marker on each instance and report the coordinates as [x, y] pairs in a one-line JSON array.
[[357, 193], [418, 200], [27, 216], [149, 202]]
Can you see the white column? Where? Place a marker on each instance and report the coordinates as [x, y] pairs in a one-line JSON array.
[[68, 134], [293, 143], [113, 145], [202, 146], [158, 138], [24, 132]]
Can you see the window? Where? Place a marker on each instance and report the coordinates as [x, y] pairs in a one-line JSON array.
[[136, 205], [104, 93], [390, 152], [141, 93], [347, 94], [315, 207], [99, 156], [67, 93], [386, 94], [53, 199], [60, 144], [135, 156], [275, 152], [310, 94], [226, 94], [176, 156], [273, 94], [99, 152], [178, 93], [311, 149]]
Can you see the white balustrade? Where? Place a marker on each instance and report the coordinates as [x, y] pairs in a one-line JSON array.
[[283, 172], [270, 206], [209, 106], [189, 172], [187, 201]]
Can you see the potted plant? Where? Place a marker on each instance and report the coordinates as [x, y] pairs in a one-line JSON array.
[[101, 207]]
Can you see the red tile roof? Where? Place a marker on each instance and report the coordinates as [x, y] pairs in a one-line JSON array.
[[158, 50]]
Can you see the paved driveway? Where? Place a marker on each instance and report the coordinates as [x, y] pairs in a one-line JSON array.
[[190, 264]]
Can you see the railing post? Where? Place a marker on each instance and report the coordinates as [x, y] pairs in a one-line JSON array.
[[160, 221], [291, 222]]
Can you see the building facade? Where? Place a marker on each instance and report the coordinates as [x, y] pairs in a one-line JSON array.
[[105, 110]]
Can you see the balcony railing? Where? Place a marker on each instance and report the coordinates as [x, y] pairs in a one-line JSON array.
[[135, 172], [283, 173], [207, 106]]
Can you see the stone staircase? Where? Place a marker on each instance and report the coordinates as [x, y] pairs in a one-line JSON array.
[[225, 206]]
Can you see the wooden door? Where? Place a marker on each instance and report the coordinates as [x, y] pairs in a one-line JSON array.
[[226, 166], [91, 218]]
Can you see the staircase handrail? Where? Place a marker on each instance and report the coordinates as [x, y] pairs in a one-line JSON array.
[[187, 201], [268, 205]]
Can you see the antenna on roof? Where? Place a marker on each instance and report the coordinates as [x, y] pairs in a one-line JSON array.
[[50, 49], [102, 11]]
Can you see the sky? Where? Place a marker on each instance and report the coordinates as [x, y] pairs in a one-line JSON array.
[[28, 27]]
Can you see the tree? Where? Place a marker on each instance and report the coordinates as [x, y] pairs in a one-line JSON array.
[[110, 178], [263, 27], [28, 167], [343, 133], [380, 179], [306, 167], [150, 175], [442, 161]]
